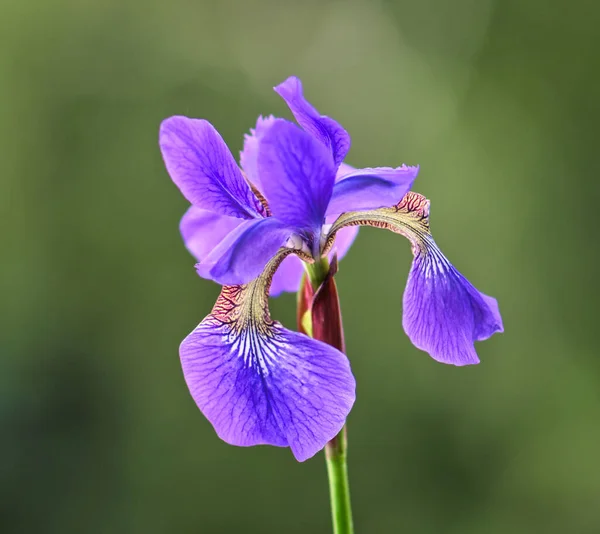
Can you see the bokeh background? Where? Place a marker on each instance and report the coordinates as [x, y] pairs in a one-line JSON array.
[[497, 100]]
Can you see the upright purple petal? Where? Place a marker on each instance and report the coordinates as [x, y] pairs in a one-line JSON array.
[[344, 170], [365, 189], [242, 255], [202, 230], [297, 175], [324, 128], [343, 241], [249, 155], [288, 277], [258, 383], [203, 168], [444, 313]]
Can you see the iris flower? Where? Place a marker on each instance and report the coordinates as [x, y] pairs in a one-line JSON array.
[[294, 201]]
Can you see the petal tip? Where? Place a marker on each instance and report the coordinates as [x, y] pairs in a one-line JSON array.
[[172, 125], [291, 83]]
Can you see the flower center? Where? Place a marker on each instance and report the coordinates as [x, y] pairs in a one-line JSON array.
[[297, 242]]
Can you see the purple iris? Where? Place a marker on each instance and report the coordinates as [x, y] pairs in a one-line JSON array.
[[250, 229]]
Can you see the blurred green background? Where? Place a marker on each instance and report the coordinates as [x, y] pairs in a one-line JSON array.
[[498, 103]]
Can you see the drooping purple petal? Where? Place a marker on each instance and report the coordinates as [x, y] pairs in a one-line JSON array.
[[324, 128], [202, 230], [365, 189], [203, 168], [282, 390], [258, 383], [297, 175], [249, 155], [444, 313], [242, 255]]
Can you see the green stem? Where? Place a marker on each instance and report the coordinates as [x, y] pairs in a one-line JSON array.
[[317, 272], [339, 486], [336, 449]]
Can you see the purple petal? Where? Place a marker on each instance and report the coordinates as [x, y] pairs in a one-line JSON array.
[[203, 230], [366, 189], [325, 129], [258, 383], [344, 170], [287, 277], [203, 168], [249, 155], [297, 175], [242, 255], [443, 313], [343, 241]]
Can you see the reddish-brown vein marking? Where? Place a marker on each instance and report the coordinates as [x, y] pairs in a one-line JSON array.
[[410, 217], [246, 306]]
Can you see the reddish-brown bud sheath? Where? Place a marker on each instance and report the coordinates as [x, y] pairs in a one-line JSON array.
[[326, 312]]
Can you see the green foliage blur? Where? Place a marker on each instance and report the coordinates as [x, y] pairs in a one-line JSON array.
[[498, 103]]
